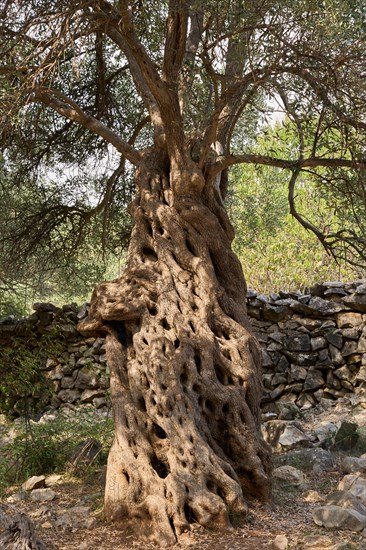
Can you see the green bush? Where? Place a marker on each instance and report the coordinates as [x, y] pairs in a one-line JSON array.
[[22, 383], [41, 448], [276, 252]]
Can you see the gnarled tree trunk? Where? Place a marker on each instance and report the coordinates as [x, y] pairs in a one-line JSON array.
[[17, 531], [185, 368]]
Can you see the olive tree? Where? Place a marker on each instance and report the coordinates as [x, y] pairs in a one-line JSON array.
[[172, 91]]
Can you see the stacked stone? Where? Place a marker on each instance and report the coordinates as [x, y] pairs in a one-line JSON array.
[[46, 319], [79, 375], [314, 343], [314, 346], [76, 374]]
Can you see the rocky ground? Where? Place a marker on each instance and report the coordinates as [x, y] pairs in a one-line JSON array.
[[320, 474], [72, 522]]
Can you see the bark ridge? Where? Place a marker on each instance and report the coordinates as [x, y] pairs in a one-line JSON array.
[[185, 367]]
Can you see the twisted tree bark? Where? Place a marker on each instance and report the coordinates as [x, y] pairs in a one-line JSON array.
[[185, 368], [17, 531]]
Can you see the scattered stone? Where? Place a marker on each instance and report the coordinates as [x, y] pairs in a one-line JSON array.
[[41, 511], [34, 482], [339, 518], [280, 542], [294, 436], [318, 542], [346, 437], [18, 497], [289, 474], [325, 433], [346, 500], [312, 496], [43, 495], [355, 484], [352, 464], [53, 480], [90, 523], [360, 418], [283, 434], [78, 517], [314, 461]]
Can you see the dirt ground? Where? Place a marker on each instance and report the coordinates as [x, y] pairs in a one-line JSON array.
[[290, 516]]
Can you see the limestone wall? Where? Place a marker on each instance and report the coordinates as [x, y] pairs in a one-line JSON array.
[[75, 368], [314, 346]]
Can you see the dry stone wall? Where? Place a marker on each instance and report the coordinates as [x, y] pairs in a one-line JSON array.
[[314, 343], [314, 347], [75, 368]]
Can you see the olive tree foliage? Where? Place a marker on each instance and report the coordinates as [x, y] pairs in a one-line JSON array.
[[279, 254], [67, 208], [63, 208], [53, 242], [167, 91]]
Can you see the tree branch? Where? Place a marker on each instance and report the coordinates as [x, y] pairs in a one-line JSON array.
[[192, 43], [342, 245], [175, 39], [125, 36], [316, 85], [311, 162], [227, 107], [69, 109], [139, 79], [110, 183], [305, 223], [296, 119], [234, 66], [164, 107]]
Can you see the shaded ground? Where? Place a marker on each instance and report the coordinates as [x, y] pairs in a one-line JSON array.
[[61, 528], [289, 516]]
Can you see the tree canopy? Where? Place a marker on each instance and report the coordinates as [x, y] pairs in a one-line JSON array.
[[276, 252], [85, 85]]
